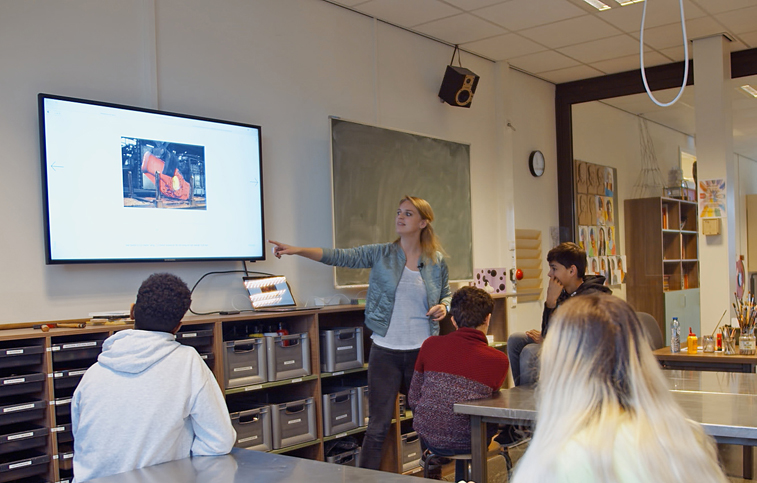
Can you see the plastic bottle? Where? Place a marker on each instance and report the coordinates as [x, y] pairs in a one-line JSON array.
[[691, 341], [675, 336]]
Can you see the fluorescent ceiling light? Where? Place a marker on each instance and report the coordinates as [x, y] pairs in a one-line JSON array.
[[598, 5], [623, 3], [750, 90]]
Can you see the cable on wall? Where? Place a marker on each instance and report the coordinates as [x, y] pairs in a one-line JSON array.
[[685, 55]]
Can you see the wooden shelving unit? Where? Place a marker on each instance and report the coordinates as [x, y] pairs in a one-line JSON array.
[[663, 259], [59, 357]]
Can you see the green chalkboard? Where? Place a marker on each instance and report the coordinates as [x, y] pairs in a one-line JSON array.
[[373, 168]]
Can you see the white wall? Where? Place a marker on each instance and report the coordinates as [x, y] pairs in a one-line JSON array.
[[283, 64]]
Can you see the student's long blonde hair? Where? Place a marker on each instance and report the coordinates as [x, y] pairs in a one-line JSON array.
[[598, 373], [430, 243]]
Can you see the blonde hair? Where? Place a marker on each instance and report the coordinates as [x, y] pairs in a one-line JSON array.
[[598, 372], [430, 243]]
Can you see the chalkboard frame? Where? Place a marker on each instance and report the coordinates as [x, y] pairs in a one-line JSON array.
[[369, 176]]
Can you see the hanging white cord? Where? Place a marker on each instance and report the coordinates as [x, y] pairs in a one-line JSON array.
[[685, 55]]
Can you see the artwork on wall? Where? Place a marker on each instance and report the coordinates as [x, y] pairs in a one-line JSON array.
[[595, 206], [712, 198]]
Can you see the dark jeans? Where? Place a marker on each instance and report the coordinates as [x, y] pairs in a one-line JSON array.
[[389, 372], [459, 464]]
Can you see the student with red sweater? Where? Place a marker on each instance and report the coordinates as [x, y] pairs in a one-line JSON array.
[[453, 368]]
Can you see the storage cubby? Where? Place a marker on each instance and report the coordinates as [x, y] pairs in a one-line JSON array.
[[662, 254]]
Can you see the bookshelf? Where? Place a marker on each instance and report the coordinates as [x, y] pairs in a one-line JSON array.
[[663, 259]]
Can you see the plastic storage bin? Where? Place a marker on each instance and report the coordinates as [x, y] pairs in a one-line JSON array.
[[72, 351], [341, 349], [21, 437], [411, 451], [14, 410], [21, 356], [340, 411], [19, 465], [67, 379], [288, 356], [347, 458], [195, 338], [246, 362], [22, 384], [253, 428], [293, 422]]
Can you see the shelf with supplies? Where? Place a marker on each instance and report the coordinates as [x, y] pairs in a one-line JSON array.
[[274, 368], [663, 257]]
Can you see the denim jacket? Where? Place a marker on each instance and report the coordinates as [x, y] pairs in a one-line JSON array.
[[387, 261]]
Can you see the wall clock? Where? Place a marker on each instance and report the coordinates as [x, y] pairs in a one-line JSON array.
[[536, 163]]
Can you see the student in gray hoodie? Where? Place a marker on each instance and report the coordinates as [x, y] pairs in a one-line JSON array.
[[148, 399]]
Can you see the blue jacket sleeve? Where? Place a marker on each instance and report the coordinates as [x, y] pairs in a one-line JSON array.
[[359, 257]]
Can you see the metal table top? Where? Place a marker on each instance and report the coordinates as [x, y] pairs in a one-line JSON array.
[[725, 404], [246, 466]]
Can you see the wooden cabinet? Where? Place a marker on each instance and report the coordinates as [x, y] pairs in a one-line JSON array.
[[52, 363], [663, 259]]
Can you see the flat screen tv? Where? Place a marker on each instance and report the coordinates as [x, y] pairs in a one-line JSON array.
[[126, 184]]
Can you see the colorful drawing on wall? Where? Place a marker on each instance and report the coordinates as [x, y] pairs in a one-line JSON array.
[[712, 198], [592, 268], [609, 189], [600, 204], [609, 211], [602, 241], [592, 248], [583, 238], [621, 260], [611, 240]]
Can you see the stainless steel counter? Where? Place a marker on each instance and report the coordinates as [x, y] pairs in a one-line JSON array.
[[244, 466], [725, 404]]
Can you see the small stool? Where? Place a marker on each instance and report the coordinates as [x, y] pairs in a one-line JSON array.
[[433, 457]]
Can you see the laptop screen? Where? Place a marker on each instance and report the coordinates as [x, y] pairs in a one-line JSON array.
[[271, 291]]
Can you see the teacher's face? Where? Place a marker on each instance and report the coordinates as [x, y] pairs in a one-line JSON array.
[[408, 220]]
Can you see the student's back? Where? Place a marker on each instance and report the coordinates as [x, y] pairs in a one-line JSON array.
[[146, 401]]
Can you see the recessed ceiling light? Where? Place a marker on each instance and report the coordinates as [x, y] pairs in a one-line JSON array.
[[749, 89], [598, 5]]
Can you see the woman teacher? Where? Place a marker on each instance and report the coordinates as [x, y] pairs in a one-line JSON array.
[[408, 294]]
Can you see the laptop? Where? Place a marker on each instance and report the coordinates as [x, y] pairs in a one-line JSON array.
[[272, 294]]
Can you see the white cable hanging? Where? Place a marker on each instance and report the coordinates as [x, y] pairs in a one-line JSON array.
[[685, 54]]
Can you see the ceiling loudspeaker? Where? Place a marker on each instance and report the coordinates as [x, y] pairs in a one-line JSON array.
[[458, 86]]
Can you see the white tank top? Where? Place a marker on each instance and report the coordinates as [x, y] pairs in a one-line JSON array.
[[409, 325]]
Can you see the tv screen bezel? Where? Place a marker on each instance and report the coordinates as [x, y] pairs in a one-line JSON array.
[[49, 260]]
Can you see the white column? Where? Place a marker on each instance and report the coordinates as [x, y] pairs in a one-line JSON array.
[[714, 142]]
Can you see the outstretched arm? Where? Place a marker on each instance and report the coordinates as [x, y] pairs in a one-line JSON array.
[[282, 249]]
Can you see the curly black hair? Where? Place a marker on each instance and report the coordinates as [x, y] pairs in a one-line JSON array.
[[470, 306], [162, 301]]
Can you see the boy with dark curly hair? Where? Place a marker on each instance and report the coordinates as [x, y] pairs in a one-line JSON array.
[[148, 399]]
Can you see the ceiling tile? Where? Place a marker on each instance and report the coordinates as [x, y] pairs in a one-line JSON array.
[[570, 74], [719, 6], [522, 14], [739, 21], [750, 39], [628, 18], [504, 47], [568, 32], [542, 62], [674, 53], [630, 62], [670, 35], [407, 14], [469, 5], [460, 28], [602, 49]]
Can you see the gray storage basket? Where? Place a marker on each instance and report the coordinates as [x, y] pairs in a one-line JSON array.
[[340, 411], [253, 427], [293, 422], [288, 356], [341, 349], [411, 451], [246, 362]]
